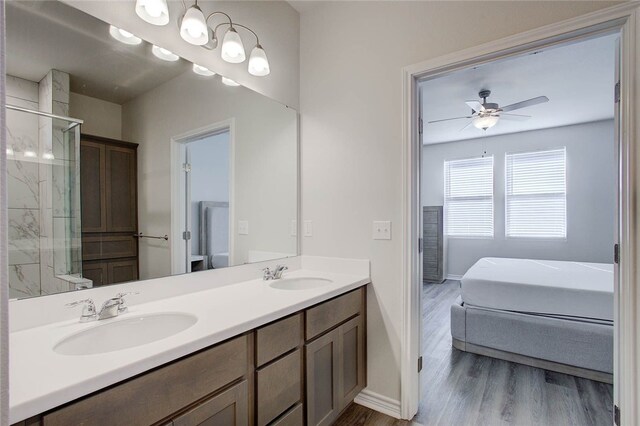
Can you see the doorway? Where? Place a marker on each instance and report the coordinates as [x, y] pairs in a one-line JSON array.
[[202, 197], [620, 19]]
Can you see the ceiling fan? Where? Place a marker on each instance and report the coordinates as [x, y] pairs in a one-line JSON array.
[[486, 114]]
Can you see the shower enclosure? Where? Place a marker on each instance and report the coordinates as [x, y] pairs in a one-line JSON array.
[[45, 246]]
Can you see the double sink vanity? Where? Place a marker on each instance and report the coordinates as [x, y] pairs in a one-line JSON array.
[[221, 347]]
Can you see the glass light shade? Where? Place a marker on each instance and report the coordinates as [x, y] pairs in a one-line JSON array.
[[30, 154], [10, 151], [154, 12], [123, 36], [48, 156], [164, 54], [193, 28], [258, 62], [230, 82], [199, 69], [232, 47], [485, 122]]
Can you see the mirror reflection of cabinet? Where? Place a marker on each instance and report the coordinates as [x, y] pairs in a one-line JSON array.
[[108, 185]]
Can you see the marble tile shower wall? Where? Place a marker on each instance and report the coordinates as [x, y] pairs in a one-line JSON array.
[[39, 216]]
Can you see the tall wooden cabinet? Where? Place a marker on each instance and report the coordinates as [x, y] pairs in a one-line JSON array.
[[433, 248], [108, 185]]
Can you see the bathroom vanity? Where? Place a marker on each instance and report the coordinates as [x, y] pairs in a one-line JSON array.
[[299, 362]]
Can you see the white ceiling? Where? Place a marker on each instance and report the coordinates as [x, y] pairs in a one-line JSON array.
[[577, 78], [44, 35]]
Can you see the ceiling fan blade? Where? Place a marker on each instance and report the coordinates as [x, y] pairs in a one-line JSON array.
[[468, 124], [515, 117], [475, 105], [527, 103], [448, 119]]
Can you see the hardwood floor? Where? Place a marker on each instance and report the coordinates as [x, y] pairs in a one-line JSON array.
[[459, 388]]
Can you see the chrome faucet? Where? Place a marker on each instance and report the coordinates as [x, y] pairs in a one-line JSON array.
[[110, 308], [274, 274]]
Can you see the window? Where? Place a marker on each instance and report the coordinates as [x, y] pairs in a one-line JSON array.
[[468, 197], [536, 198]]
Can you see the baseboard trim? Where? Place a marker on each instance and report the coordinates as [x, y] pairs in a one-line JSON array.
[[454, 277], [380, 403]]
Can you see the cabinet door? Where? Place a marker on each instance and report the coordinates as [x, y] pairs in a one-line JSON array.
[[228, 408], [123, 271], [121, 185], [92, 187], [352, 374], [96, 272], [323, 360]]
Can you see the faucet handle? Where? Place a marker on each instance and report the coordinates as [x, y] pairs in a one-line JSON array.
[[122, 307], [88, 310]]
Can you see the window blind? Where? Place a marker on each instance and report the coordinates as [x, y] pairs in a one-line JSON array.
[[536, 194], [468, 205]]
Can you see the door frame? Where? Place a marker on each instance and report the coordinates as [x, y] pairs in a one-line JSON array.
[[178, 212], [625, 18]]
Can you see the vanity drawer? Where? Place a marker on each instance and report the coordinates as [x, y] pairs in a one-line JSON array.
[[279, 386], [228, 408], [293, 417], [329, 314], [153, 396], [278, 338]]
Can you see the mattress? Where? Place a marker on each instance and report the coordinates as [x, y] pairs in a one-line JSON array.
[[544, 287]]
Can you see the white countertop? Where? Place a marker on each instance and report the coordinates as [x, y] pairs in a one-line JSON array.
[[41, 379]]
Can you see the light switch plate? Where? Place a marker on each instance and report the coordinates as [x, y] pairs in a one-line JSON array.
[[294, 227], [243, 227], [308, 228], [381, 230]]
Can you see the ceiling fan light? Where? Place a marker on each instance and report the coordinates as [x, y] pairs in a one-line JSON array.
[[485, 122], [193, 28], [155, 12], [123, 36], [232, 47], [258, 62]]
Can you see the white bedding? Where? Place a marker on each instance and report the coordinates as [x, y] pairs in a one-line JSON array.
[[575, 289]]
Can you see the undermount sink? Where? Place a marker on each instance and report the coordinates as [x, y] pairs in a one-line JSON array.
[[125, 333], [302, 283]]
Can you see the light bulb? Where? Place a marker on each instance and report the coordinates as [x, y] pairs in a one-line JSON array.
[[199, 69], [485, 122], [164, 54], [232, 48], [154, 12], [230, 82], [124, 36], [193, 28], [258, 62]]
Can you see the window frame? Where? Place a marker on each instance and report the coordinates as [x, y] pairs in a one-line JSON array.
[[506, 196], [493, 199]]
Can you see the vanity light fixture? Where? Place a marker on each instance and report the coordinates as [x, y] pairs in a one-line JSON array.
[[232, 49], [199, 69], [155, 12], [10, 152], [30, 154], [193, 28], [230, 82], [258, 62], [164, 54], [48, 156], [124, 36]]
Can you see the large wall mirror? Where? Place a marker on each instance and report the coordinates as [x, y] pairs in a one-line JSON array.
[[127, 162]]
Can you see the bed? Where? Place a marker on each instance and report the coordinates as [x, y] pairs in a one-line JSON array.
[[556, 315]]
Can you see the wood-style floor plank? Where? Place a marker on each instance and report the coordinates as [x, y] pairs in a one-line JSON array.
[[464, 389]]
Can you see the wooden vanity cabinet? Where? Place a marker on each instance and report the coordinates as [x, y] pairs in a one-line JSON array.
[[303, 369]]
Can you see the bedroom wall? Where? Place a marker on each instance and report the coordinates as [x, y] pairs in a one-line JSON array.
[[591, 180], [101, 118], [265, 172], [351, 132]]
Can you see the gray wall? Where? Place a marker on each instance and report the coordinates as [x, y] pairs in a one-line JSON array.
[[591, 180]]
